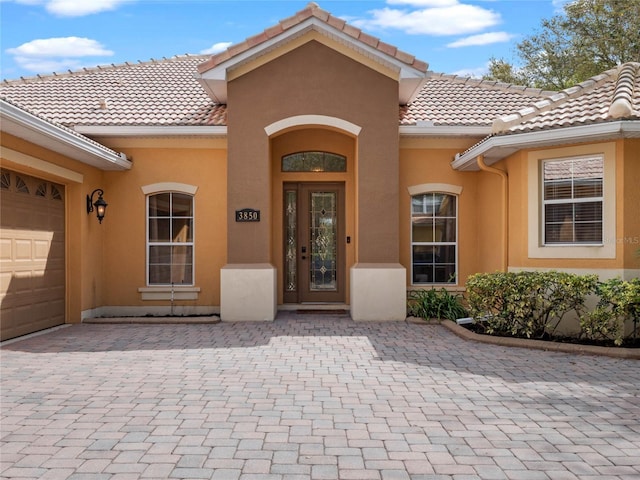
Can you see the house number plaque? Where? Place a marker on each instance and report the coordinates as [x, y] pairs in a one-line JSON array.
[[247, 215]]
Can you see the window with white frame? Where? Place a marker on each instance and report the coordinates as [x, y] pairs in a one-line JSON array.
[[170, 239], [434, 233], [572, 201]]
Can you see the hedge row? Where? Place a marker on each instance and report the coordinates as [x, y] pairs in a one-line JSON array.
[[532, 304]]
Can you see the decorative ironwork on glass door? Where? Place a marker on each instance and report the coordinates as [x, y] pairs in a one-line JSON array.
[[323, 239], [291, 241], [313, 266]]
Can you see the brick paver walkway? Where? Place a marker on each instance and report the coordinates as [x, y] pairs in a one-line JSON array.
[[310, 398]]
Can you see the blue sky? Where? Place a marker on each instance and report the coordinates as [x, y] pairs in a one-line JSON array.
[[453, 36]]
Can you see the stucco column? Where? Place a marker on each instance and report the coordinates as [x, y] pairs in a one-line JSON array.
[[248, 281], [378, 280], [248, 186], [377, 193]]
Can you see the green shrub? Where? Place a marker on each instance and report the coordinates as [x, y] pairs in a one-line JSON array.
[[619, 302], [439, 304], [527, 304]]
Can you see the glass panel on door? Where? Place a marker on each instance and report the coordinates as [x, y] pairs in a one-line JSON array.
[[313, 235], [291, 241], [323, 239]]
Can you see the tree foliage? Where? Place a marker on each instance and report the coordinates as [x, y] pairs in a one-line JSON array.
[[590, 37]]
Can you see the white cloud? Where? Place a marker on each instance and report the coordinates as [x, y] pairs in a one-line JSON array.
[[38, 65], [60, 47], [450, 19], [55, 54], [477, 72], [216, 48], [79, 8], [75, 8], [482, 39], [424, 3]]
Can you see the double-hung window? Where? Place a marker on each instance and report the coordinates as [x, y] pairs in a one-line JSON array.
[[170, 239], [572, 201], [434, 232]]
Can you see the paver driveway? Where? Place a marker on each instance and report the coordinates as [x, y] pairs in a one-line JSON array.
[[310, 397]]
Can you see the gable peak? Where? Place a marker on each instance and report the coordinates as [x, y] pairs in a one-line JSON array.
[[408, 70], [313, 10]]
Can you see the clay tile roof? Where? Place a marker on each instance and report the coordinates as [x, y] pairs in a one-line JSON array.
[[159, 92], [461, 101], [612, 95], [63, 127], [312, 10], [166, 93]]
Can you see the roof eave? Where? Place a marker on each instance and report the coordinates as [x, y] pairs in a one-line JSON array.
[[216, 88], [498, 147], [426, 129], [22, 124], [152, 131]]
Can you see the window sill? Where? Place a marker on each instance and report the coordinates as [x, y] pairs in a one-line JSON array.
[[571, 245], [166, 292], [578, 251]]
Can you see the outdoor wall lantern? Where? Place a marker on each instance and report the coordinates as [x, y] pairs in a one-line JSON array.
[[100, 204]]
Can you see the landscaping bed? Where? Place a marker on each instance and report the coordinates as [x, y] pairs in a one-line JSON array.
[[554, 307], [577, 349], [567, 339]]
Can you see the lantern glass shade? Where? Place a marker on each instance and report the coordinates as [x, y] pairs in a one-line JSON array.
[[100, 205]]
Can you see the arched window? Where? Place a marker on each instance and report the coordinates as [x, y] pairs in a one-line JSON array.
[[314, 162], [170, 239], [434, 238]]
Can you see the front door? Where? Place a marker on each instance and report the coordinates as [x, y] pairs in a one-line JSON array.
[[314, 246]]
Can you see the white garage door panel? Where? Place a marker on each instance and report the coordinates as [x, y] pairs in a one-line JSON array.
[[32, 259]]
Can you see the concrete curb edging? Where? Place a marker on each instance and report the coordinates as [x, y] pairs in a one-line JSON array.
[[183, 320], [615, 352]]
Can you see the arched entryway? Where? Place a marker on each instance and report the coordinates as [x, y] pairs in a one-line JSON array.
[[314, 210]]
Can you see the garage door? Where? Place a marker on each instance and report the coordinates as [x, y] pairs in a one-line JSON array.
[[32, 250]]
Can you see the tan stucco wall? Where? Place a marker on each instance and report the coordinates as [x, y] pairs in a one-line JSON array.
[[84, 235], [313, 80], [489, 208], [197, 162], [631, 215], [480, 223], [203, 163]]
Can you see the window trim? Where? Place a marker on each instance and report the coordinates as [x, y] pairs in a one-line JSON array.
[[165, 187], [536, 246], [165, 286], [435, 188]]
